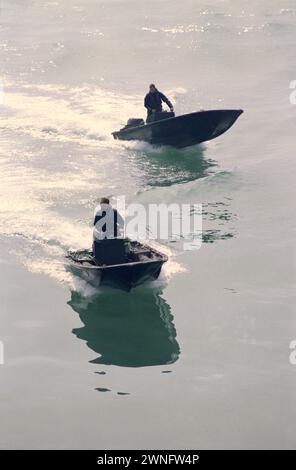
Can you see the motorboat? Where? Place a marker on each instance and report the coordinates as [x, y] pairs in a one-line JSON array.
[[179, 131], [142, 263]]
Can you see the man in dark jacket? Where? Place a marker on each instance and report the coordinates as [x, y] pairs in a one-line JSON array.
[[108, 223], [153, 102], [108, 244]]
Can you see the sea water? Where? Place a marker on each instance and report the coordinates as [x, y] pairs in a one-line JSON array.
[[199, 359]]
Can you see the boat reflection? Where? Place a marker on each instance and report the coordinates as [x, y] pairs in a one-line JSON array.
[[164, 166], [127, 329]]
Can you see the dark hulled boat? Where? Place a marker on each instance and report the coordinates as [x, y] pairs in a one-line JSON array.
[[180, 131], [142, 264]]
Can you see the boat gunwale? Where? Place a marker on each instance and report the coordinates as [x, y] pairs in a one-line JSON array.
[[107, 266], [163, 259]]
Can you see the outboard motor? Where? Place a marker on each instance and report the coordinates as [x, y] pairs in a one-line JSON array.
[[133, 122]]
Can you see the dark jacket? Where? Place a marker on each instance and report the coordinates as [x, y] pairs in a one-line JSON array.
[[154, 101], [110, 216]]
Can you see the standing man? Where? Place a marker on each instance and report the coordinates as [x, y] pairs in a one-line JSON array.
[[108, 223], [153, 102], [108, 244]]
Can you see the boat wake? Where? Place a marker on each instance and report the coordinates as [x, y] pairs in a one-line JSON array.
[[54, 166]]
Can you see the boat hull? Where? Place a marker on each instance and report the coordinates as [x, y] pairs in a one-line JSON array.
[[124, 276], [183, 131]]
